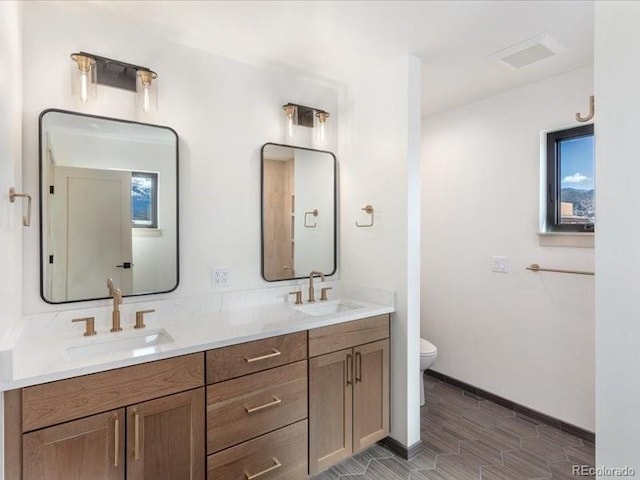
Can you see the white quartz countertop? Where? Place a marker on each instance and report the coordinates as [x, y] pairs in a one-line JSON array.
[[38, 352]]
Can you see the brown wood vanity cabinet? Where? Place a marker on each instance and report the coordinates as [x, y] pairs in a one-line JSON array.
[[257, 410], [144, 422], [273, 409], [348, 389]]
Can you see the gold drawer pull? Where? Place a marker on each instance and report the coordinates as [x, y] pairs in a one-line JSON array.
[[276, 465], [276, 401], [116, 427], [274, 353], [136, 436]]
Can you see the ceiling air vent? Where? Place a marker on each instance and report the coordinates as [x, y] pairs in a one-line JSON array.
[[530, 51]]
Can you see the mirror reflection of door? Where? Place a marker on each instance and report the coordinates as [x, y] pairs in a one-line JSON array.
[[279, 213], [298, 212], [92, 234]]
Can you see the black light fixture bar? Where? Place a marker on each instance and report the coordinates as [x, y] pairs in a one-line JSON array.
[[305, 114], [115, 73]]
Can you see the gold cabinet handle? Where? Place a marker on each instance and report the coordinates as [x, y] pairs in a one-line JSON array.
[[274, 353], [358, 367], [349, 368], [276, 401], [275, 466], [116, 452], [136, 436]]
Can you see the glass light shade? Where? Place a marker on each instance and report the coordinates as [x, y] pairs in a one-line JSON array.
[[321, 128], [83, 77], [146, 90], [290, 121]]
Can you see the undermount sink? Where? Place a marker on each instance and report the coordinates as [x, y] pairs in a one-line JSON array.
[[326, 308], [139, 343]]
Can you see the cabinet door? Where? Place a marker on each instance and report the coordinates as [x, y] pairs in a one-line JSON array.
[[330, 409], [370, 394], [165, 438], [89, 448]]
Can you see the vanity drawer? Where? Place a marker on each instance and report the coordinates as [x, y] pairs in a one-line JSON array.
[[237, 360], [281, 455], [64, 400], [249, 406], [346, 335]]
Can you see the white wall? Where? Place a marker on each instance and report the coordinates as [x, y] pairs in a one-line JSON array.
[[10, 164], [10, 175], [314, 188], [379, 152], [524, 336], [617, 76], [223, 111]]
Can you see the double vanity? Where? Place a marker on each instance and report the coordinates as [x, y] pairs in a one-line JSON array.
[[226, 385], [270, 391]]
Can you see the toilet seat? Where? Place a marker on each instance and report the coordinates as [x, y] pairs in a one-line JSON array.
[[427, 349]]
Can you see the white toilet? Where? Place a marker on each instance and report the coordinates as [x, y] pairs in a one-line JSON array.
[[428, 353]]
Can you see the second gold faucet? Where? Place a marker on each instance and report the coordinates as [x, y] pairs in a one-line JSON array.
[[311, 291]]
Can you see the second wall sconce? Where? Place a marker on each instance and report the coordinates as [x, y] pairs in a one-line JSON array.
[[89, 70], [302, 116]]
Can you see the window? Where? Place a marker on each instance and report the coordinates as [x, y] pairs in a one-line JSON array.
[[144, 200], [571, 180]]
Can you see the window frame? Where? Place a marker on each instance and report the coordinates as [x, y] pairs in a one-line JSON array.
[[154, 200], [554, 181]]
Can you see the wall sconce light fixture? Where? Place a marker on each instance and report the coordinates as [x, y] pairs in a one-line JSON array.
[[321, 127], [146, 90], [89, 70], [301, 116], [290, 120], [83, 77]]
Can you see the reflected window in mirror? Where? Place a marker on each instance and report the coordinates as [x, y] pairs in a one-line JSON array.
[[109, 207], [298, 212], [144, 200]]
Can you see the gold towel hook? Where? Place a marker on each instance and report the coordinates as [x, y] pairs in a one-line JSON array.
[[369, 210], [26, 220], [592, 111], [313, 212]]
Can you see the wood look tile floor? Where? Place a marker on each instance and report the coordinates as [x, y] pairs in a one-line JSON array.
[[465, 437]]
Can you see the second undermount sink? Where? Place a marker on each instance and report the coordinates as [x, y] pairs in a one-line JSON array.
[[327, 308], [138, 343]]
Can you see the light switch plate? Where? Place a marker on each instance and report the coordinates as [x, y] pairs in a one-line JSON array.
[[500, 264]]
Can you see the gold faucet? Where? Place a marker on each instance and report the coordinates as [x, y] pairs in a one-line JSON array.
[[311, 292], [115, 315]]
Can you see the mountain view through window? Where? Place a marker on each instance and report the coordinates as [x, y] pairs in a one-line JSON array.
[[577, 199]]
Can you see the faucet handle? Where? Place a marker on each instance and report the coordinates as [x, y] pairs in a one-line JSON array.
[[323, 293], [298, 295], [117, 297], [140, 318], [90, 329]]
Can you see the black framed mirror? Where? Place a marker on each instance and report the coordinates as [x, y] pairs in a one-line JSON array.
[[108, 207], [299, 197]]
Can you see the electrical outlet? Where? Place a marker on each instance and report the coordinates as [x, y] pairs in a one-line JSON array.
[[220, 277], [500, 264]]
